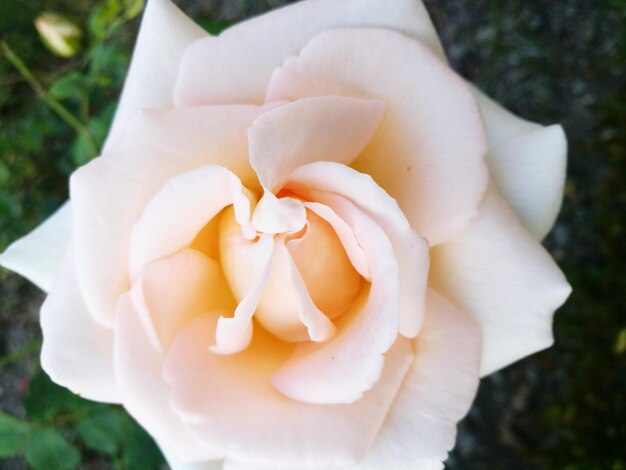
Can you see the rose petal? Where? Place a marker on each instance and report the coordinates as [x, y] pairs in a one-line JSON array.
[[172, 291], [528, 163], [411, 251], [500, 275], [346, 236], [176, 464], [182, 207], [169, 293], [110, 193], [329, 128], [38, 255], [236, 66], [273, 215], [436, 393], [286, 308], [428, 153], [233, 334], [138, 366], [342, 369], [77, 352], [164, 35], [209, 390]]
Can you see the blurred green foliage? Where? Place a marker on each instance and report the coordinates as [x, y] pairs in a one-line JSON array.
[[61, 430]]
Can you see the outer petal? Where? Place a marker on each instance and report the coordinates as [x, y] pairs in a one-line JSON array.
[[411, 250], [77, 352], [328, 128], [428, 153], [209, 390], [528, 163], [164, 35], [110, 193], [500, 275], [176, 464], [167, 302], [236, 66], [38, 255], [437, 392]]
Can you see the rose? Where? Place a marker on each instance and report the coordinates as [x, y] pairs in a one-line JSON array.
[[294, 238]]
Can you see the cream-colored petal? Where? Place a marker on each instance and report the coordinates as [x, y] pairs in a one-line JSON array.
[[110, 193], [504, 279], [346, 236], [233, 334], [271, 430], [171, 291], [38, 255], [325, 128], [180, 209], [77, 352], [164, 35], [236, 66], [176, 464], [343, 369], [428, 153], [436, 393], [411, 250], [528, 163], [146, 395]]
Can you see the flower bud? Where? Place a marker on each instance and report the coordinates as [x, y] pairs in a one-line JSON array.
[[59, 34]]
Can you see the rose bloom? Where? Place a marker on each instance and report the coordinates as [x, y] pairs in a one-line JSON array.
[[305, 241]]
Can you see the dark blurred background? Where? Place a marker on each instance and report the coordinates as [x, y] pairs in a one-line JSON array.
[[547, 60]]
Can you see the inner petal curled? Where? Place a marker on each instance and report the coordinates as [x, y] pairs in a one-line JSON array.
[[311, 280]]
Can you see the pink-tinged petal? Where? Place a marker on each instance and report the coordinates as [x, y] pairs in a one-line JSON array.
[[318, 326], [274, 215], [209, 390], [436, 393], [77, 352], [346, 236], [236, 66], [326, 128], [504, 279], [170, 292], [286, 308], [176, 464], [342, 369], [428, 153], [411, 250], [233, 334], [146, 395], [528, 163], [110, 193], [38, 255], [182, 207], [164, 35]]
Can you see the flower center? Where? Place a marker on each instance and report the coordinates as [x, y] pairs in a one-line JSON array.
[[331, 281]]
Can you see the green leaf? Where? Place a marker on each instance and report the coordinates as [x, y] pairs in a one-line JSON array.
[[215, 26], [132, 8], [45, 399], [70, 85], [5, 173], [14, 435], [48, 450], [140, 451], [102, 17], [104, 431]]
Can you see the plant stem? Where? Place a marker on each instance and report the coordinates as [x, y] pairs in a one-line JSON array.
[[20, 353], [52, 102]]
